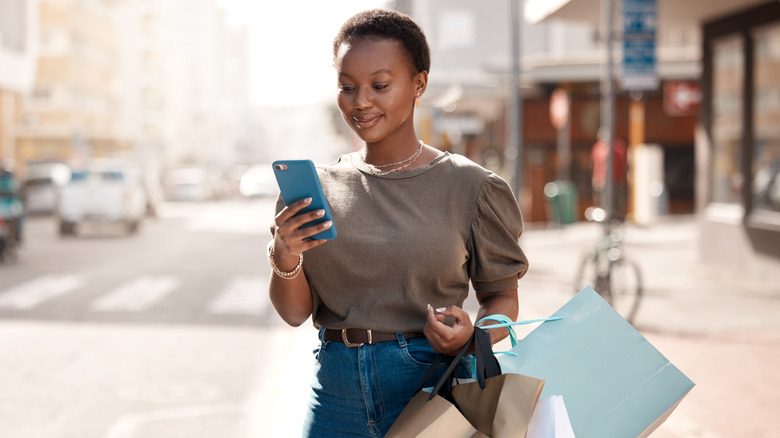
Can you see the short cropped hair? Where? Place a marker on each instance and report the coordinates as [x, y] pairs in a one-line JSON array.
[[386, 23]]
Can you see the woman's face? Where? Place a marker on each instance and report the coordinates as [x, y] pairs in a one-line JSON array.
[[377, 88]]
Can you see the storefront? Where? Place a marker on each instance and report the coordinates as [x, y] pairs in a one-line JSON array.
[[739, 155]]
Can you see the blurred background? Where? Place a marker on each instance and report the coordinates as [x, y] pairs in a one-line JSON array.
[[136, 193]]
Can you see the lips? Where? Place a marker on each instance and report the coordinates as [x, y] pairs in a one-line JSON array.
[[365, 121]]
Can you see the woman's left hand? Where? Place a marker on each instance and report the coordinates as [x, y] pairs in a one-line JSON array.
[[443, 338]]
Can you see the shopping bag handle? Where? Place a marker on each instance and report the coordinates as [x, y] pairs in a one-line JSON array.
[[505, 321], [486, 365]]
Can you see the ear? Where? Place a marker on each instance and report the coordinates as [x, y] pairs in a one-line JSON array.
[[421, 83]]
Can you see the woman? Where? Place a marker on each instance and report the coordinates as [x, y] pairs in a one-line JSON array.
[[415, 226]]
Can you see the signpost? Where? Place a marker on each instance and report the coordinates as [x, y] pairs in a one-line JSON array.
[[640, 19], [639, 61], [681, 98]]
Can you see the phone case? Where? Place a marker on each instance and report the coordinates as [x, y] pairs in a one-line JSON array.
[[298, 179]]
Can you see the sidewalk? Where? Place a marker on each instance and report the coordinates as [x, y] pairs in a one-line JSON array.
[[723, 334], [682, 295]]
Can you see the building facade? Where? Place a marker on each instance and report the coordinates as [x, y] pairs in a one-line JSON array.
[[18, 53], [740, 145], [465, 108], [184, 82], [737, 137], [72, 112], [160, 82]]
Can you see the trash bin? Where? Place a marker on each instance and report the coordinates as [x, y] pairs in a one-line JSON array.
[[561, 202]]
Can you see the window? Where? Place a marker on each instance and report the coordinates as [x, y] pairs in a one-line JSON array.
[[41, 93], [727, 89], [766, 120]]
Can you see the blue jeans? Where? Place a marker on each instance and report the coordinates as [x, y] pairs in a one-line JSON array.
[[360, 391]]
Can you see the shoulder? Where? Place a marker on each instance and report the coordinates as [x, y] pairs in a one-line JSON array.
[[470, 173], [463, 168]]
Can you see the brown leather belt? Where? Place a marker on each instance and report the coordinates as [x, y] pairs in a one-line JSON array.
[[357, 337]]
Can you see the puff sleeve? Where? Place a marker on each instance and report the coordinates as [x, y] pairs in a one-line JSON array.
[[496, 260]]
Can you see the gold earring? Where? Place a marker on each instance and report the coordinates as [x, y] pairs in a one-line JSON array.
[[417, 102]]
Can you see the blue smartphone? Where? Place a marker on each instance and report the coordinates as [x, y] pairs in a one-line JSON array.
[[298, 179]]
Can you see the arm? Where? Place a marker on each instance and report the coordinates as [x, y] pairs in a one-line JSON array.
[[503, 302], [291, 297], [448, 340]]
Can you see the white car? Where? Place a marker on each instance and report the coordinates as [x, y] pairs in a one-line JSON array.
[[41, 186], [102, 194], [259, 181], [190, 184]]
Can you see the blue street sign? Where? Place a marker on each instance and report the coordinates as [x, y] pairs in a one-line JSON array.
[[639, 60]]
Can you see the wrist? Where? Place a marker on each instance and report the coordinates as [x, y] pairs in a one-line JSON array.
[[285, 268]]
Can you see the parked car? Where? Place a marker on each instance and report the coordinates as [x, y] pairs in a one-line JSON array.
[[259, 181], [189, 184], [102, 194], [41, 186]]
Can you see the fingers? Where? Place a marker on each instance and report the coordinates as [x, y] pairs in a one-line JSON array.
[[443, 338], [289, 212], [288, 227]]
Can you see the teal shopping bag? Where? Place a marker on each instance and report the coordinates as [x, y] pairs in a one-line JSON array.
[[615, 383]]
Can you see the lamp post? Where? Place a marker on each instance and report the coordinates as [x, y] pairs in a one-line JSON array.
[[514, 150], [608, 116]]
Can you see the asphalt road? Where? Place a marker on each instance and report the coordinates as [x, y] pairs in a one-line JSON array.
[[160, 334]]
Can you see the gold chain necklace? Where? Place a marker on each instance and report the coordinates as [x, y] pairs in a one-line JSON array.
[[377, 170]]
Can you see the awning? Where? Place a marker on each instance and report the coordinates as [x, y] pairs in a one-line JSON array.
[[670, 12]]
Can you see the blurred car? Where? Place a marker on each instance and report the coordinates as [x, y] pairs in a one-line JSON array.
[[103, 193], [189, 184], [258, 181], [41, 186]]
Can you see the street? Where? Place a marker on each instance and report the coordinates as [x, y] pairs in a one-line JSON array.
[[166, 333], [169, 333]]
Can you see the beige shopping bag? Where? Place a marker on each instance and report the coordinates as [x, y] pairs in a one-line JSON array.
[[495, 404], [503, 408], [436, 417]]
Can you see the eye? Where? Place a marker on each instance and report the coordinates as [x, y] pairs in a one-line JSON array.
[[381, 86], [346, 88]]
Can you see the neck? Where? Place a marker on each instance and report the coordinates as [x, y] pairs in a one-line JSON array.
[[395, 166], [383, 153]]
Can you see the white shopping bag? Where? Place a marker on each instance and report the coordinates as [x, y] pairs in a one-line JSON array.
[[550, 419]]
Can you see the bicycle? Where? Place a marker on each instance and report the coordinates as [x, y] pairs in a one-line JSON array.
[[606, 269]]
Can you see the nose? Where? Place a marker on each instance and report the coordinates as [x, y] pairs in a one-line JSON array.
[[363, 99]]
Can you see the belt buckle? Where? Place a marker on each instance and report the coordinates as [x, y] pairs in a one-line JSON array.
[[350, 344]]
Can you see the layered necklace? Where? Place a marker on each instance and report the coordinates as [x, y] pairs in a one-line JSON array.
[[403, 164]]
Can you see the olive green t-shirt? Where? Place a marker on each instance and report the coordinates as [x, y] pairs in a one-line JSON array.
[[409, 239]]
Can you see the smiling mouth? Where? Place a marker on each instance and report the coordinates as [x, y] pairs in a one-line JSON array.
[[364, 122]]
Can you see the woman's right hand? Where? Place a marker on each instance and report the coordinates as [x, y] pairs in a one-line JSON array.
[[290, 238], [291, 297]]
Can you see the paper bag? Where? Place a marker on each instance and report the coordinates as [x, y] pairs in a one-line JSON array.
[[615, 383], [428, 419], [495, 404], [504, 408], [550, 419]]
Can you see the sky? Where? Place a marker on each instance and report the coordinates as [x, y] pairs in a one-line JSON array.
[[291, 60]]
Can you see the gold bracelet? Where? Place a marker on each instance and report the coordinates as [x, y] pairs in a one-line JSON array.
[[286, 275]]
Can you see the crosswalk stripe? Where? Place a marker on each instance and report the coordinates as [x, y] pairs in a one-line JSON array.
[[30, 294], [136, 295], [246, 295]]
